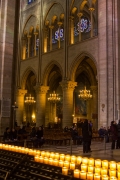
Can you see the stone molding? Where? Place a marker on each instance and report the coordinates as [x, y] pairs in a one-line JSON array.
[[21, 92], [41, 89], [68, 85]]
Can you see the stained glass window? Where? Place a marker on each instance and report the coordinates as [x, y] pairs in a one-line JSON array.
[[55, 37], [84, 26], [30, 1]]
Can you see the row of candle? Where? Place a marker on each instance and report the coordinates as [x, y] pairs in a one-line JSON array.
[[89, 175], [70, 162]]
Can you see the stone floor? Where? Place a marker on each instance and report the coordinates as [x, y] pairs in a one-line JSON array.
[[99, 150]]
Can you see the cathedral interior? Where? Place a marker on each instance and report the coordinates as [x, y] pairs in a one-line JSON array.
[[53, 49]]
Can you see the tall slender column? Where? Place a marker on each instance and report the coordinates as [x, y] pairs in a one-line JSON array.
[[35, 34], [59, 24], [80, 15], [40, 104], [45, 40], [51, 28], [23, 53], [20, 102], [68, 88], [28, 45], [94, 107], [71, 29], [91, 14]]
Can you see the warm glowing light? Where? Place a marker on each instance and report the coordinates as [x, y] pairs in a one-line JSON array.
[[54, 98], [104, 171], [112, 165], [105, 164], [65, 171], [82, 175], [72, 166], [91, 161], [79, 159], [83, 167], [85, 94], [60, 163], [76, 173], [96, 177], [89, 176], [98, 163], [62, 157], [85, 160], [90, 168], [66, 164]]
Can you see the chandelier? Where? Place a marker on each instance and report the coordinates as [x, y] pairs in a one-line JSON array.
[[85, 94], [29, 100], [53, 98]]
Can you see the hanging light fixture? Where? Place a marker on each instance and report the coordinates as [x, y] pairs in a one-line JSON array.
[[85, 94], [54, 98], [30, 100]]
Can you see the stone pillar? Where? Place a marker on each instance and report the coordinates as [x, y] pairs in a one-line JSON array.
[[45, 40], [23, 55], [59, 24], [71, 29], [68, 88], [51, 28], [91, 14], [20, 102], [28, 45], [80, 15], [94, 107], [40, 104], [35, 34]]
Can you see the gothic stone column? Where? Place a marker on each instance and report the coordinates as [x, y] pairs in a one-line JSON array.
[[94, 107], [20, 102], [40, 104], [68, 88]]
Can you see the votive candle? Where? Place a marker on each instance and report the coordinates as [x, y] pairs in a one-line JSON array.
[[65, 171], [76, 173], [89, 176], [97, 163], [72, 166]]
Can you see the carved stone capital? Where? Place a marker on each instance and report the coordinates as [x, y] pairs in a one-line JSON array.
[[71, 18], [59, 24], [51, 27], [91, 9], [68, 85], [80, 14], [41, 89], [21, 92]]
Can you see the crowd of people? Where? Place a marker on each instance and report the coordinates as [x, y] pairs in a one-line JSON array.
[[37, 137]]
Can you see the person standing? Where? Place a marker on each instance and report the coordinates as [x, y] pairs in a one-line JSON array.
[[86, 128], [118, 140], [114, 134]]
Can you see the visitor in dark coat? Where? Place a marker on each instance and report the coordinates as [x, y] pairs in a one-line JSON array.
[[86, 128], [40, 140], [118, 140], [13, 135], [6, 136], [114, 134]]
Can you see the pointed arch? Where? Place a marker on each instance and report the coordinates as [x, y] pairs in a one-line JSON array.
[[78, 60], [32, 15], [25, 76], [48, 69]]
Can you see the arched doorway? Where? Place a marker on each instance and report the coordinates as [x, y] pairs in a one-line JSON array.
[[85, 76], [54, 110], [29, 115]]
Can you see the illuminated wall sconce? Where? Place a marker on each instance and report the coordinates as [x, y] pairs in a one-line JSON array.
[[103, 106]]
